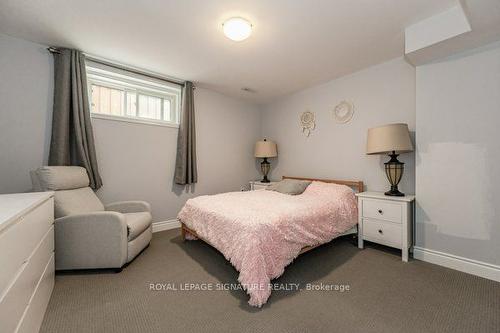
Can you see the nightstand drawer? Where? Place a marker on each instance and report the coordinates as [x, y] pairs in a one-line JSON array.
[[382, 210], [386, 233], [258, 185]]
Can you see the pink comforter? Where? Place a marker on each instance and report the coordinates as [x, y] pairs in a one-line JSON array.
[[261, 232]]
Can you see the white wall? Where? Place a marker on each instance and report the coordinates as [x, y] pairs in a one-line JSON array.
[[458, 157], [26, 80], [137, 161], [457, 108], [381, 94]]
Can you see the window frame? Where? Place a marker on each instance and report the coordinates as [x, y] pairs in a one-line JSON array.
[[129, 84]]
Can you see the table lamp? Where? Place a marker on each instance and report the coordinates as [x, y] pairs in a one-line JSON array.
[[392, 139], [265, 149]]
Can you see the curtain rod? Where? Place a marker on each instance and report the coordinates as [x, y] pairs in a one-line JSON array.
[[134, 70], [52, 49]]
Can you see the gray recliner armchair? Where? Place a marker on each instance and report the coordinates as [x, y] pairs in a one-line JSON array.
[[88, 234]]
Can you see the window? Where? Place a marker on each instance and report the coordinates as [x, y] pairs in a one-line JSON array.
[[122, 95]]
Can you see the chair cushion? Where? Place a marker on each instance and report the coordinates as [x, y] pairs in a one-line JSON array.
[[81, 200], [55, 178], [135, 246], [137, 223]]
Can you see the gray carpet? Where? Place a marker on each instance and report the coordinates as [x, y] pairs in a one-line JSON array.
[[386, 295]]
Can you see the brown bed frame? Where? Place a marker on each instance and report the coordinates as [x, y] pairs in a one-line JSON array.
[[357, 185]]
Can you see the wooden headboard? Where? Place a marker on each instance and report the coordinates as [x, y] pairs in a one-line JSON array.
[[355, 184]]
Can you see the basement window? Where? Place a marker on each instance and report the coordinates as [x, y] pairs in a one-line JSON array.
[[117, 94]]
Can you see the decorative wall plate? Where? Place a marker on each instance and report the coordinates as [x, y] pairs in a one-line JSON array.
[[343, 112], [307, 121]]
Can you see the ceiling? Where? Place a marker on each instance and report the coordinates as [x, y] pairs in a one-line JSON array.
[[295, 43]]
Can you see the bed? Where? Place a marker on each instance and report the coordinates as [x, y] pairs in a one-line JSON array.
[[261, 232]]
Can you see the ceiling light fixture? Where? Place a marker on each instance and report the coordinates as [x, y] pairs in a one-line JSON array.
[[237, 29]]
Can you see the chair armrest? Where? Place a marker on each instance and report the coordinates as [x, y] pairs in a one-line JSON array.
[[91, 240], [125, 207]]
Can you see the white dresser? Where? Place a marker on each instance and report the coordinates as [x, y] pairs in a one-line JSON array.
[[26, 259], [386, 220]]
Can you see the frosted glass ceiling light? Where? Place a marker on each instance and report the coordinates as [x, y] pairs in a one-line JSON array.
[[237, 29]]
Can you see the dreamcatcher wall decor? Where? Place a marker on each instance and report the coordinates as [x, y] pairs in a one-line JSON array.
[[343, 112], [307, 122]]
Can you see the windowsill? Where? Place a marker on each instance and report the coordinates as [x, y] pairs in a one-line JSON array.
[[134, 120]]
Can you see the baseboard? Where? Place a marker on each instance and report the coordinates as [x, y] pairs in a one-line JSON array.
[[166, 225], [474, 267]]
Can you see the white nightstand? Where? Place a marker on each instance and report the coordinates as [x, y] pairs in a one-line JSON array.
[[386, 220], [258, 185]]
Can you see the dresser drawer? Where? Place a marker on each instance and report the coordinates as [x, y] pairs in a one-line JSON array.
[[382, 210], [18, 242], [386, 233], [17, 297], [33, 317]]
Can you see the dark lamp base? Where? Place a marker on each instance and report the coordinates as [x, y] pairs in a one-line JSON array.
[[394, 192], [394, 171], [265, 166]]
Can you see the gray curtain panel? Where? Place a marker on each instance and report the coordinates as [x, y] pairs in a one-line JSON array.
[[185, 163], [72, 141]]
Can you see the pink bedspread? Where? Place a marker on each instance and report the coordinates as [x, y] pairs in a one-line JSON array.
[[261, 232]]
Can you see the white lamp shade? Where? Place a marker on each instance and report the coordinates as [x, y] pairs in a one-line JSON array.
[[388, 138], [265, 148]]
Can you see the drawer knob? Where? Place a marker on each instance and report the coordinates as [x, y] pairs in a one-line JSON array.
[[380, 211], [380, 231]]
